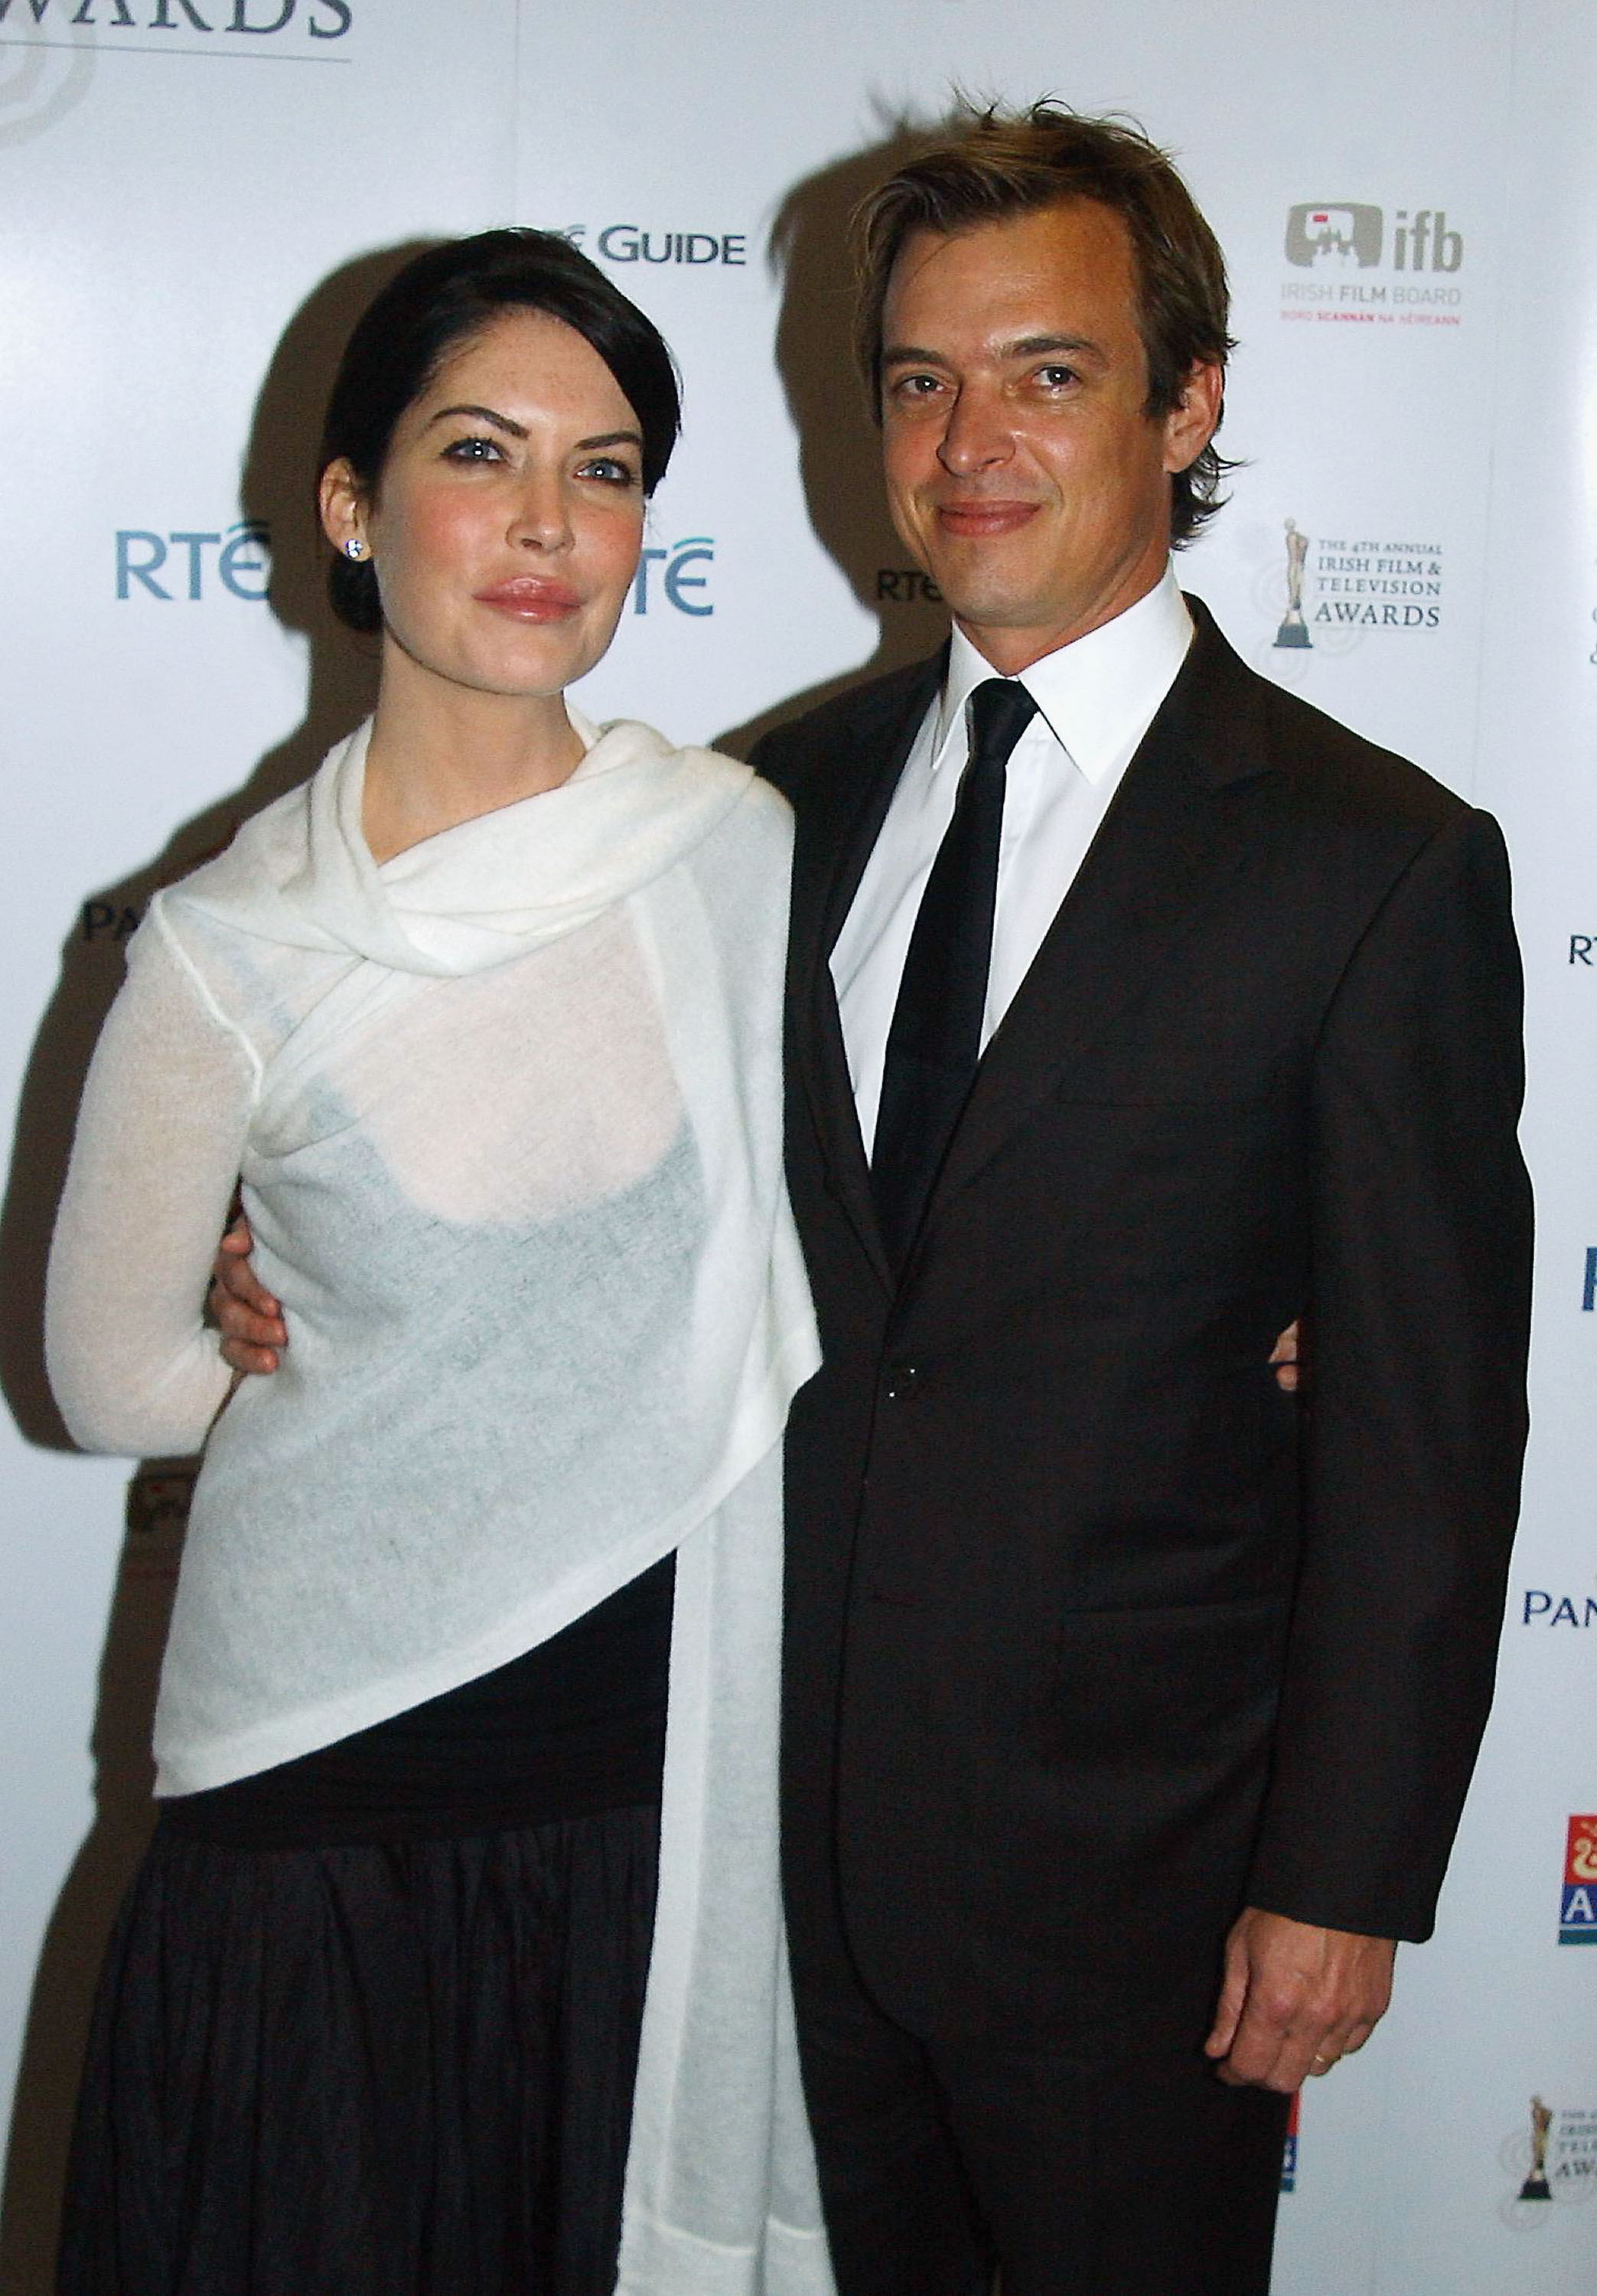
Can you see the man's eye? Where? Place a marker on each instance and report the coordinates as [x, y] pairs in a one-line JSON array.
[[1056, 378]]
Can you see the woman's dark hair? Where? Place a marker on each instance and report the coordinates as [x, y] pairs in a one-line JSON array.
[[434, 305]]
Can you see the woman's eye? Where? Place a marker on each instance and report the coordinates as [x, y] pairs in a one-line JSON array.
[[473, 449], [607, 468]]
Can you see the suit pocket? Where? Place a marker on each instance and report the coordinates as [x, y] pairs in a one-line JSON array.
[[1164, 1706]]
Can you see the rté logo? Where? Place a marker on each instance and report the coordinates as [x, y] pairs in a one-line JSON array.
[[241, 564], [675, 581]]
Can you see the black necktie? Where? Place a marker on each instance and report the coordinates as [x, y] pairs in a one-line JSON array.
[[935, 1041]]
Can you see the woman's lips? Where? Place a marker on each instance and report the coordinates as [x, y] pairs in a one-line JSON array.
[[529, 599]]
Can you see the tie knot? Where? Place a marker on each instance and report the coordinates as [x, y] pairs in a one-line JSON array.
[[1001, 709]]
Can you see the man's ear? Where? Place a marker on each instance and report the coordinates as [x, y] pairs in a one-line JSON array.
[[1190, 426]]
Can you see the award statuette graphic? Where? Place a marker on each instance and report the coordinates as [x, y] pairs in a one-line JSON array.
[[1535, 2186], [1294, 629]]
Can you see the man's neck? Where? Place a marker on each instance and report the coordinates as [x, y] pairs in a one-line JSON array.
[[1011, 652]]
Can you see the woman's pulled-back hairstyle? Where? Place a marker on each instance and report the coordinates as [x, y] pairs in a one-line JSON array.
[[1003, 165], [432, 308]]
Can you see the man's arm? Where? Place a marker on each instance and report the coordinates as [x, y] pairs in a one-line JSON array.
[[248, 1316], [253, 1331], [1413, 1433]]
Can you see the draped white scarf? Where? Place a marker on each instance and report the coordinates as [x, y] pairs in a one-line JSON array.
[[513, 1167]]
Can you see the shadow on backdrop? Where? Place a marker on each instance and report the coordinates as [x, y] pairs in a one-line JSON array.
[[839, 447], [277, 490]]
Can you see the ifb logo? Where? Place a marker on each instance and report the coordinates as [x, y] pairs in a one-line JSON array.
[[675, 581], [1348, 236], [1578, 1917], [1345, 237], [242, 565]]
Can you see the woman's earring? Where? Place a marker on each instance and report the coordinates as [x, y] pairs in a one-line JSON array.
[[354, 548]]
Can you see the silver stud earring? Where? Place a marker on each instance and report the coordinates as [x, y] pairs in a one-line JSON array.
[[354, 548]]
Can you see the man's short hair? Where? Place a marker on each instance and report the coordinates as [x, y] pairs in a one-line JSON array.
[[1001, 165]]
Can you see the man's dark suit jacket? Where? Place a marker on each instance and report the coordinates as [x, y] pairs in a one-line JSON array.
[[1095, 1637]]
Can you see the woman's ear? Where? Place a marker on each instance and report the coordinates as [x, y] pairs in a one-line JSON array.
[[343, 509]]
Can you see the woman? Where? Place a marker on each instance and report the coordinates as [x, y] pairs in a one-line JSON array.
[[487, 1016]]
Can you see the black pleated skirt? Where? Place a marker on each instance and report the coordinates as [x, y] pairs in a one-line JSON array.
[[401, 2068]]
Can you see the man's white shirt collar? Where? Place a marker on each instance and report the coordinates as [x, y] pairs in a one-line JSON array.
[[1093, 693]]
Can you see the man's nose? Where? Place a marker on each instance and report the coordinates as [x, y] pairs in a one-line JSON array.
[[978, 434]]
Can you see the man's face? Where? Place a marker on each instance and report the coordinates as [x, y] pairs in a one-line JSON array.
[[1021, 470]]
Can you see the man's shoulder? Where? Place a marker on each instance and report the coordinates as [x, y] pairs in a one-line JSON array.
[[835, 731], [1322, 768]]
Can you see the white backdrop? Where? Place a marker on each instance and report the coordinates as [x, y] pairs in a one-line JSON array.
[[196, 197]]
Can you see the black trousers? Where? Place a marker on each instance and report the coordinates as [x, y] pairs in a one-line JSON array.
[[1078, 2175]]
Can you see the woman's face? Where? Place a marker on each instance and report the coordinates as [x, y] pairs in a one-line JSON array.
[[506, 525]]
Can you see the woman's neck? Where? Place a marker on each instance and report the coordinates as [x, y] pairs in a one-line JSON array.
[[442, 754]]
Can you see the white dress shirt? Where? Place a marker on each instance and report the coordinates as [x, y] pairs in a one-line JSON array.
[[1096, 698]]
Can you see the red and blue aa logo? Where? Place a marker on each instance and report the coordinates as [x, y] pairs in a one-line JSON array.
[[1289, 2159], [1578, 1923]]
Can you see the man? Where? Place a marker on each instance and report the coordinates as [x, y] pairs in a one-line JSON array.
[[1136, 1009], [1123, 1707]]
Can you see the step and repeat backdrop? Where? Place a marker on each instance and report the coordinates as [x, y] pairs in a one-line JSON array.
[[196, 196]]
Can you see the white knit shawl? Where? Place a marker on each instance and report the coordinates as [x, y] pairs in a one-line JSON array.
[[508, 1114]]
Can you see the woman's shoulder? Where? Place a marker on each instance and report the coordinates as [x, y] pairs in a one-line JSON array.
[[733, 803], [271, 850], [266, 849]]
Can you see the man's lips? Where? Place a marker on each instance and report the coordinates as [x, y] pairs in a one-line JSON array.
[[976, 519], [527, 598]]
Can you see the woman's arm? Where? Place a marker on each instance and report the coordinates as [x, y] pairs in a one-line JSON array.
[[154, 1163]]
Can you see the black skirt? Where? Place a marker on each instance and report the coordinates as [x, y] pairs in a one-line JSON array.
[[397, 2068], [368, 2024]]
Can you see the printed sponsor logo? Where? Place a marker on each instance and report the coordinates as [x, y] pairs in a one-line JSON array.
[[1342, 243], [1375, 585], [1589, 1288], [681, 581], [302, 26], [1348, 234], [905, 586], [1577, 1916], [1552, 2159], [1289, 2159], [110, 922], [1545, 1606], [1581, 947], [193, 562], [631, 242], [1330, 594]]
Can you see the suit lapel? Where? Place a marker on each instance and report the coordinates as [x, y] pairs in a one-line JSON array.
[[1168, 848], [837, 827]]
